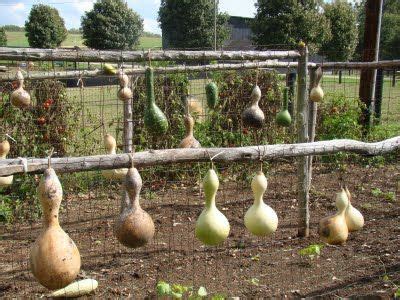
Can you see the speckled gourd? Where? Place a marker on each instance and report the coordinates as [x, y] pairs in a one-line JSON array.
[[212, 227], [253, 116], [283, 118], [260, 219], [354, 218], [4, 150], [111, 145], [189, 141], [54, 258], [133, 227], [20, 98]]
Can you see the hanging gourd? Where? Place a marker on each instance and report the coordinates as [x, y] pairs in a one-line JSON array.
[[124, 92], [260, 219], [4, 149], [333, 229], [212, 95], [283, 118], [253, 116], [20, 98], [134, 227], [212, 227], [111, 147], [189, 141], [54, 257], [317, 94], [354, 218], [109, 69], [154, 119]]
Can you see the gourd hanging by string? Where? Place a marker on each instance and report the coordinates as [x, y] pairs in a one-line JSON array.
[[133, 227], [212, 227], [20, 98], [111, 145], [354, 218], [189, 141], [283, 118], [124, 92], [4, 150], [54, 258], [260, 219], [253, 116], [317, 94], [333, 229]]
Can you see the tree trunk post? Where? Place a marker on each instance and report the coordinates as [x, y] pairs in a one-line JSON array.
[[302, 137], [291, 83], [340, 76], [394, 78], [313, 108], [378, 96]]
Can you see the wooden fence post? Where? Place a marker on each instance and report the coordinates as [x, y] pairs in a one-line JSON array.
[[128, 125], [302, 137], [313, 108], [378, 96]]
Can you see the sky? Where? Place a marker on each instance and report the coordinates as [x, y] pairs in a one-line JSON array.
[[16, 11]]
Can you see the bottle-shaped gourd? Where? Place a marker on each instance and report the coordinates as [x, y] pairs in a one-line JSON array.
[[154, 119], [212, 95], [54, 257], [111, 145], [124, 92], [212, 227], [260, 219], [283, 118], [189, 141], [333, 229], [20, 98], [354, 218], [253, 116], [133, 227], [4, 149], [317, 94]]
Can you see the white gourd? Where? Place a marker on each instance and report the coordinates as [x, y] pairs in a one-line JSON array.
[[317, 94], [76, 289], [354, 218], [111, 146], [212, 227], [4, 149], [260, 219]]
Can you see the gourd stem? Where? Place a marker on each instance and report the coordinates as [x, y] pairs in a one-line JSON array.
[[150, 85], [285, 98]]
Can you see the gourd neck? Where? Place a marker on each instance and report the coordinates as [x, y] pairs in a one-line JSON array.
[[189, 125], [285, 99], [50, 217], [210, 201], [130, 201], [150, 85], [112, 151]]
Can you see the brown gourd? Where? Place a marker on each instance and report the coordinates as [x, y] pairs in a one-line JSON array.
[[111, 147], [253, 116], [54, 258], [20, 98], [4, 149], [133, 227], [124, 92], [189, 141], [354, 218]]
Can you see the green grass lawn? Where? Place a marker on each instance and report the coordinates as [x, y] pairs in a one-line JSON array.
[[18, 39]]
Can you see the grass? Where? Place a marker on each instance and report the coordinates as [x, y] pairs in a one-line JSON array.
[[18, 39]]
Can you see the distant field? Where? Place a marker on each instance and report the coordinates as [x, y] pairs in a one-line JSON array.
[[18, 39]]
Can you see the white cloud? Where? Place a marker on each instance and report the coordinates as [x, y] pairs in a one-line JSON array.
[[83, 6], [18, 6], [151, 25]]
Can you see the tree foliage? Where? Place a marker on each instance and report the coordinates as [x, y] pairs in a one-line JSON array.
[[111, 24], [3, 37], [286, 22], [343, 19], [44, 27], [190, 24]]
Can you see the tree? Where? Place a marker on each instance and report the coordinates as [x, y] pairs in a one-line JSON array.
[[111, 24], [44, 27], [3, 37], [190, 24], [286, 22], [343, 20]]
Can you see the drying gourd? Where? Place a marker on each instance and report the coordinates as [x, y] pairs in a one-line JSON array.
[[154, 119], [354, 218], [124, 92], [4, 149], [54, 257], [20, 98], [283, 118], [109, 69], [253, 116], [212, 227], [189, 141], [111, 145], [212, 95], [333, 229], [317, 94], [76, 289], [260, 219], [134, 227]]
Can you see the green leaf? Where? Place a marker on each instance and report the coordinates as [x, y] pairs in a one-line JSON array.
[[255, 257], [163, 289], [397, 293], [385, 277], [218, 297], [311, 250], [255, 281], [202, 292]]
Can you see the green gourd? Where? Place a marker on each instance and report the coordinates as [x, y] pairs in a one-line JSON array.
[[212, 95], [154, 119], [283, 118]]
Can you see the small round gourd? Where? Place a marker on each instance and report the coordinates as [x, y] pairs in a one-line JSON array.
[[124, 93], [212, 95], [133, 227], [253, 116], [260, 219], [317, 94], [354, 218], [333, 229], [111, 145], [189, 141], [54, 258], [283, 118], [4, 150], [212, 227]]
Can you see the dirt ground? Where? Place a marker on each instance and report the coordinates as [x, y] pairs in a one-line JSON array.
[[244, 266]]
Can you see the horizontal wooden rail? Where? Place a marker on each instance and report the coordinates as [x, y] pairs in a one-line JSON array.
[[90, 55], [173, 156], [388, 64]]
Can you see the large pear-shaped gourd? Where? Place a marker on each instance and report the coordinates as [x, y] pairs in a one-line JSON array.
[[333, 230], [260, 219], [212, 227], [354, 218], [20, 98], [54, 257], [4, 149], [283, 118], [111, 145], [133, 227], [317, 94], [189, 141], [253, 116], [154, 119]]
